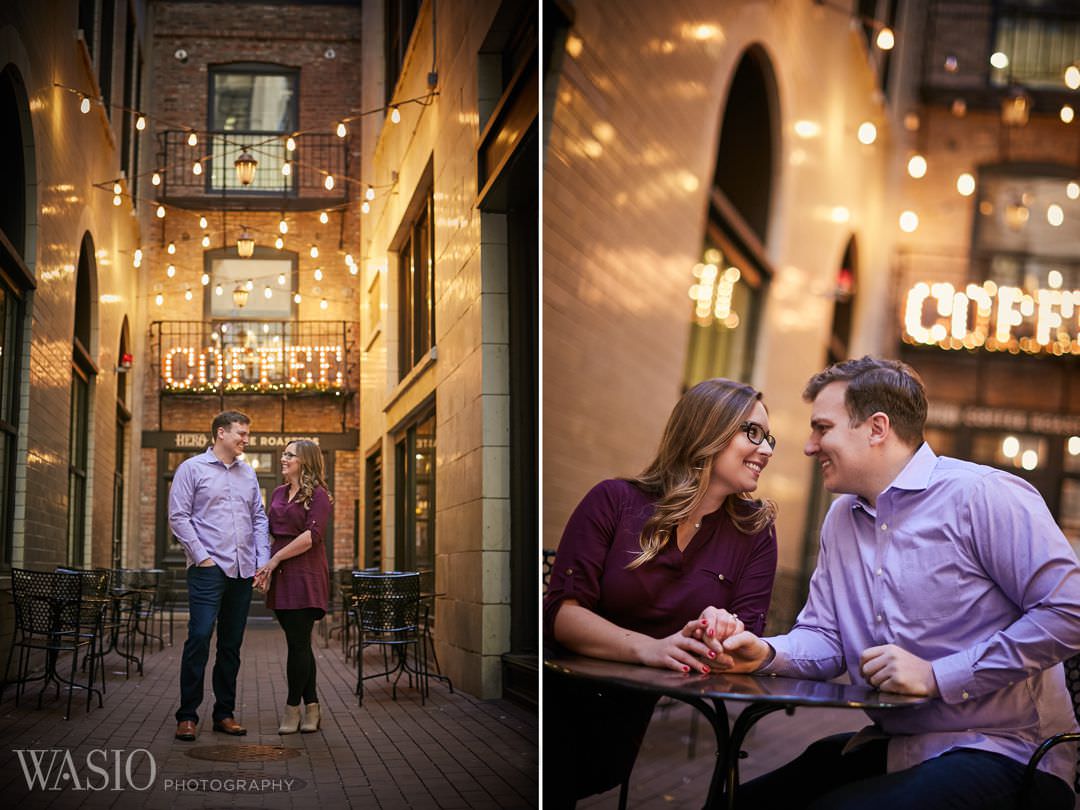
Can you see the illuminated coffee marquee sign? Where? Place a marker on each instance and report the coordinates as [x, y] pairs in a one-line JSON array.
[[252, 368], [998, 319]]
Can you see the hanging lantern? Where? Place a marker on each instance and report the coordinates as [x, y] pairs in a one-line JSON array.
[[239, 296], [245, 245], [245, 168]]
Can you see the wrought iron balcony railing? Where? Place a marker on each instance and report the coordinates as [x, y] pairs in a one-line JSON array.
[[315, 156], [254, 357]]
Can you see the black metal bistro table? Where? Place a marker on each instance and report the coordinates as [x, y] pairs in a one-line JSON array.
[[706, 693]]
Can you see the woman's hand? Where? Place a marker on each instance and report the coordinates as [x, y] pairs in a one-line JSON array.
[[683, 651], [715, 625]]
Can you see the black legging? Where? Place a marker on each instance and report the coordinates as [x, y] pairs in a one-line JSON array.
[[300, 669]]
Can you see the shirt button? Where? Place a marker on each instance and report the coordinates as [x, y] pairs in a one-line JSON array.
[[569, 570], [878, 572], [884, 526], [964, 695], [878, 617], [720, 577]]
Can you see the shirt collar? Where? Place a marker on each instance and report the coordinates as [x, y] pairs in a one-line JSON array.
[[914, 477], [209, 458]]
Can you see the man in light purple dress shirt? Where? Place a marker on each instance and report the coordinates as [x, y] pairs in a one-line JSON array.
[[216, 512], [935, 577]]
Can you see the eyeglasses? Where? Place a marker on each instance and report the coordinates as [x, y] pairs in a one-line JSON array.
[[756, 434], [287, 454]]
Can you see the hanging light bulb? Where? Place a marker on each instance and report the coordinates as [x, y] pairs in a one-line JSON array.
[[206, 240], [196, 168], [192, 139], [267, 292], [369, 193], [286, 168], [395, 115], [117, 199], [296, 298], [314, 251], [137, 257], [1067, 113], [965, 184], [203, 223], [323, 304], [159, 299], [283, 226], [187, 294], [365, 207], [84, 105], [117, 188], [1072, 77], [916, 167], [170, 271], [1072, 190], [353, 269], [279, 243], [885, 39], [155, 178], [999, 60], [160, 212], [867, 133], [250, 285], [140, 123], [909, 221], [218, 289], [204, 279], [1055, 215], [245, 244], [281, 279], [290, 144], [342, 130], [171, 249], [318, 274], [324, 217], [349, 260], [329, 182]]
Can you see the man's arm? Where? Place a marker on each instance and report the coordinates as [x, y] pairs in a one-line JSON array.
[[181, 508], [260, 525]]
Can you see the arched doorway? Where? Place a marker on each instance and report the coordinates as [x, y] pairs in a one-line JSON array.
[[83, 372]]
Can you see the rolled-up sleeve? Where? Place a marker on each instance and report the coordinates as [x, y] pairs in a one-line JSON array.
[[754, 592], [582, 553], [318, 515]]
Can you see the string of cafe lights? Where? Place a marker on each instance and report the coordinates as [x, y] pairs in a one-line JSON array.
[[245, 166]]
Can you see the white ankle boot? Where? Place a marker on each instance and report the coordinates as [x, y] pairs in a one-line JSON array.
[[290, 720], [311, 718]]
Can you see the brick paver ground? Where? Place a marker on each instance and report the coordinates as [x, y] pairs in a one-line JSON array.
[[454, 752]]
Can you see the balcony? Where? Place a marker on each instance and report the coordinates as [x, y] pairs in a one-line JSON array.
[[216, 187], [282, 358]]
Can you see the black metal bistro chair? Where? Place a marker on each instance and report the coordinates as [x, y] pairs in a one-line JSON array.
[[387, 614], [51, 617], [1072, 680], [428, 595], [94, 585]]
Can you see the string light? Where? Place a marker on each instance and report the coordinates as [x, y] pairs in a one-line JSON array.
[[116, 188], [314, 251], [296, 298], [279, 243], [329, 182], [1067, 113], [867, 133], [84, 105], [140, 123], [318, 274], [353, 269], [323, 304], [369, 194], [218, 289], [155, 178], [203, 223], [324, 217], [206, 240], [196, 168], [250, 285], [395, 115], [160, 212], [365, 207], [205, 279], [159, 299], [267, 292], [171, 249], [281, 279], [349, 260], [1072, 77], [1055, 215], [909, 221], [137, 257], [290, 144], [965, 184], [187, 294], [192, 139], [117, 199], [170, 271], [917, 166], [1072, 190], [885, 39], [342, 130], [286, 168], [999, 60], [283, 226]]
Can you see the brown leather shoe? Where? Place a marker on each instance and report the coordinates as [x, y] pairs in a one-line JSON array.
[[228, 725], [185, 730]]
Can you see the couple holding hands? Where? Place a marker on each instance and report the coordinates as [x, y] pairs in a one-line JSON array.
[[935, 577], [216, 512]]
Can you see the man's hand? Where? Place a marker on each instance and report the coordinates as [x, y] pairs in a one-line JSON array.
[[747, 652], [892, 669], [716, 624], [207, 563]]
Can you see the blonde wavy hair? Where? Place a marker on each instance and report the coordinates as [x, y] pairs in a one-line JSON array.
[[702, 424], [311, 469]]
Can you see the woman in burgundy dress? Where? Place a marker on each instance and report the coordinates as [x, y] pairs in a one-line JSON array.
[[656, 570], [296, 576]]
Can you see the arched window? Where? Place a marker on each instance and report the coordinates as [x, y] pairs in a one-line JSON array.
[[83, 371], [123, 420]]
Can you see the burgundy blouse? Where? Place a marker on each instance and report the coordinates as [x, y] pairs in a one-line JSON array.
[[721, 567], [302, 581]]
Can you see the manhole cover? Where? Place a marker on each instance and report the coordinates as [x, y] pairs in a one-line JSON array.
[[243, 753]]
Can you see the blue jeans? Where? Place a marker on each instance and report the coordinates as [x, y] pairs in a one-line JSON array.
[[822, 778], [213, 597]]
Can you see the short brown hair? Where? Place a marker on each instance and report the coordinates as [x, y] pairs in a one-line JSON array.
[[226, 419], [873, 385]]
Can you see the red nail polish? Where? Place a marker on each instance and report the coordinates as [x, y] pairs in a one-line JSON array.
[[710, 634], [704, 621], [705, 670], [686, 669], [712, 653]]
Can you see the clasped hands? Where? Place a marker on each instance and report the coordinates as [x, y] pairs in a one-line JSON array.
[[262, 576], [698, 646]]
